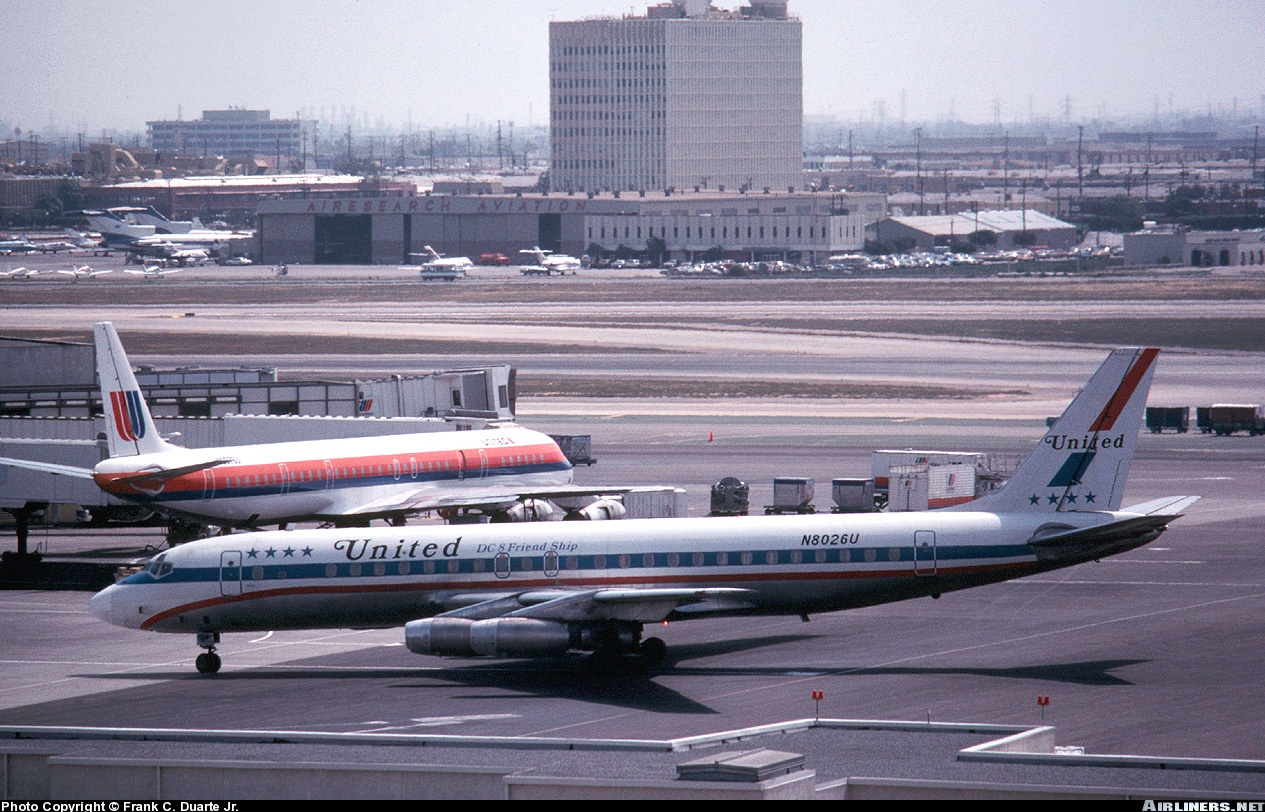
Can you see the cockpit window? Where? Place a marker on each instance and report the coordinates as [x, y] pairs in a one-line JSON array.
[[159, 567]]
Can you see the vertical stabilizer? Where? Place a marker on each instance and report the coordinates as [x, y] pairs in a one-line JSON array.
[[1083, 460], [129, 428]]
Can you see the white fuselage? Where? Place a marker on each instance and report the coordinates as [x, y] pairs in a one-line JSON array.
[[385, 577], [332, 478]]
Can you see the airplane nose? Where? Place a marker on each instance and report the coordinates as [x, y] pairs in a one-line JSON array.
[[102, 603]]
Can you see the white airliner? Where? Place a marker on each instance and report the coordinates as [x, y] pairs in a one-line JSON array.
[[501, 471], [558, 263], [546, 589]]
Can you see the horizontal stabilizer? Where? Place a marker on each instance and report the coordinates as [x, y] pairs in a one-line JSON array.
[[48, 468], [1170, 506], [1065, 545], [162, 475]]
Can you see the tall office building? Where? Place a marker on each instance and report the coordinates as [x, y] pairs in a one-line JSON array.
[[688, 95]]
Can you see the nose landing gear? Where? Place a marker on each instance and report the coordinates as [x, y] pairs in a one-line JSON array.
[[208, 662]]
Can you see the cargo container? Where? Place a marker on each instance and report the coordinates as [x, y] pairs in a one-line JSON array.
[[852, 495], [655, 503], [577, 448], [792, 494], [1176, 418], [926, 486], [1203, 419], [1228, 418], [730, 497]]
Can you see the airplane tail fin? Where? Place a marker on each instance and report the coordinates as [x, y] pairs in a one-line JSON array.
[[130, 428], [1083, 460]]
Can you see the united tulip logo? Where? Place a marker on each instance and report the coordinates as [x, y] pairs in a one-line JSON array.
[[129, 414]]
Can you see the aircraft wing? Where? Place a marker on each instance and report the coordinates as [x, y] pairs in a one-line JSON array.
[[649, 605], [429, 498], [48, 467]]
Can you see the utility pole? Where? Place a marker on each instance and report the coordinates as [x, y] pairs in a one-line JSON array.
[[1005, 172], [1080, 166], [918, 138], [849, 149]]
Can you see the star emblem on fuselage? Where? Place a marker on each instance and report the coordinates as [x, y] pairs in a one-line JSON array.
[[271, 552], [252, 553]]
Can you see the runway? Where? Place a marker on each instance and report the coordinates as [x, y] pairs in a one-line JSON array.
[[1157, 651]]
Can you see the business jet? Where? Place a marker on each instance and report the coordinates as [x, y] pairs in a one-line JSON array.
[[555, 263], [537, 590], [143, 231], [507, 473], [19, 245]]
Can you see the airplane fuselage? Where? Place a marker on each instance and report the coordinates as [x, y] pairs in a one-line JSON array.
[[330, 478], [347, 578]]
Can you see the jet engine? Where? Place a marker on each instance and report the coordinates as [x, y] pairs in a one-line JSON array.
[[528, 510], [601, 510], [496, 637]]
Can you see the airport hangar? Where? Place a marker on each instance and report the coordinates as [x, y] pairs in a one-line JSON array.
[[349, 230]]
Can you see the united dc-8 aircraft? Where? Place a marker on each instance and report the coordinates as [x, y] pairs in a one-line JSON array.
[[548, 589], [506, 472]]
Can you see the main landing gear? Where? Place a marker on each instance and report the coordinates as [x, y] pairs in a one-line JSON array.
[[208, 662], [618, 653]]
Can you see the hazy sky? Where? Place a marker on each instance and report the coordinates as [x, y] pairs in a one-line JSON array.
[[90, 64]]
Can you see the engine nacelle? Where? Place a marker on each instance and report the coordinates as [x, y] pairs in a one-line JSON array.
[[496, 637], [528, 510], [601, 510]]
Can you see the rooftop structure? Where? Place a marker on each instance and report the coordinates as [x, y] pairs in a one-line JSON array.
[[687, 96]]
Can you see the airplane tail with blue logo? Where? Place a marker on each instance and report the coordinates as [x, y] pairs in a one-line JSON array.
[[1083, 460], [130, 429]]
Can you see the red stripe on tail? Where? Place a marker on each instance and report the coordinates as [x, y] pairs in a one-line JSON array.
[[1125, 391]]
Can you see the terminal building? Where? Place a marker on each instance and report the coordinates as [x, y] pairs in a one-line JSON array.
[[687, 96]]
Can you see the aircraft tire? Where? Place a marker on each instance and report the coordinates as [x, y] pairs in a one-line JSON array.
[[208, 662], [653, 650]]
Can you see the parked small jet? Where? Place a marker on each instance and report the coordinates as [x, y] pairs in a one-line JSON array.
[[546, 589], [557, 263]]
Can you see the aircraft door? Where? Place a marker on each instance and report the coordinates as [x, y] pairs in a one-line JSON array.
[[395, 468], [483, 463], [551, 564], [461, 464], [231, 573], [501, 565], [208, 484], [329, 475], [285, 477], [924, 552]]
